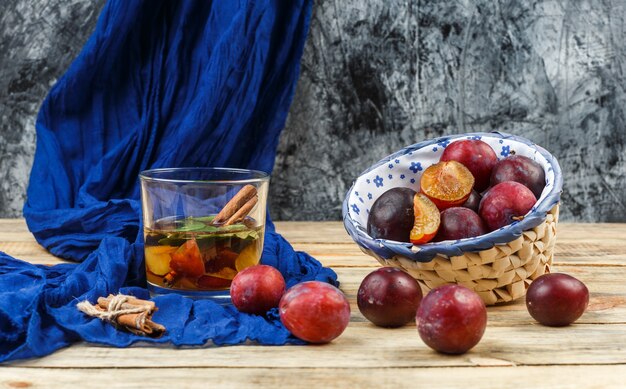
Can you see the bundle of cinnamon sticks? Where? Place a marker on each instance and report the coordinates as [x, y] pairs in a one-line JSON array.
[[126, 312]]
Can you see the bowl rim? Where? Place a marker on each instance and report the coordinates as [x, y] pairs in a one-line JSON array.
[[424, 253]]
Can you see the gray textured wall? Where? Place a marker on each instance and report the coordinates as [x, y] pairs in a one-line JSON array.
[[379, 75], [38, 41]]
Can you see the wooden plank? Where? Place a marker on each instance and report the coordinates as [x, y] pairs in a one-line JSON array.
[[334, 231], [12, 225], [364, 345], [606, 284], [334, 255], [512, 337], [243, 377], [348, 254], [590, 243], [23, 249], [313, 232], [586, 244]]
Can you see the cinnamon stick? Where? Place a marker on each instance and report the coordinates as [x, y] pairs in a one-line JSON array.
[[242, 212], [137, 323], [170, 278], [238, 207], [131, 302], [141, 324], [127, 312]]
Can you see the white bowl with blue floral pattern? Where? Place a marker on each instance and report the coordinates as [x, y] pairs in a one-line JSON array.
[[405, 168]]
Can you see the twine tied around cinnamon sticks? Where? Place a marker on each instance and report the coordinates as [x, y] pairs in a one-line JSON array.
[[127, 312]]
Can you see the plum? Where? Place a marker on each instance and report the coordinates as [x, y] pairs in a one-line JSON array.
[[556, 299], [426, 221], [314, 311], [257, 289], [460, 223], [451, 319], [476, 155], [505, 202], [391, 216], [389, 297], [447, 184], [473, 201], [520, 169]]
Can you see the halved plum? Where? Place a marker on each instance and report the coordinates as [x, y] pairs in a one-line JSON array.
[[427, 220], [447, 184]]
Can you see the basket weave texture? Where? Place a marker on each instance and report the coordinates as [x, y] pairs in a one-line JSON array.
[[499, 274]]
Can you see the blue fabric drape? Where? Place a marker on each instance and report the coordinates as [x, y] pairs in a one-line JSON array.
[[158, 84]]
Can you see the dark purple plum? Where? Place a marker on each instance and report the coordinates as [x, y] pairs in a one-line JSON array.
[[392, 216], [389, 297], [473, 201], [460, 223], [476, 155], [556, 299], [520, 169], [451, 319], [504, 202]]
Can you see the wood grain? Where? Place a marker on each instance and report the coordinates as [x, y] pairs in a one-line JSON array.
[[365, 346], [514, 348], [556, 377], [589, 244], [484, 377]]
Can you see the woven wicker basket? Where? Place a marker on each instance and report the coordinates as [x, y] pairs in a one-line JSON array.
[[499, 274], [498, 266]]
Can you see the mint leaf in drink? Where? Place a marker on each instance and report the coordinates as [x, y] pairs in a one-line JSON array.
[[190, 225]]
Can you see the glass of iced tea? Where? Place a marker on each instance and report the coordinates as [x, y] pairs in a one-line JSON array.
[[201, 227]]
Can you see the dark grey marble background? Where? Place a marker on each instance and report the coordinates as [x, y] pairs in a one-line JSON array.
[[380, 75]]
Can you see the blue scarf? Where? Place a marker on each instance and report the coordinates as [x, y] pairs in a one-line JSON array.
[[158, 84]]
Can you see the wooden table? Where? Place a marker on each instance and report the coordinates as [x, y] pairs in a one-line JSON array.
[[514, 352]]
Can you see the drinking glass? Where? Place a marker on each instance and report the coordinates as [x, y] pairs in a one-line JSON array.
[[201, 227]]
